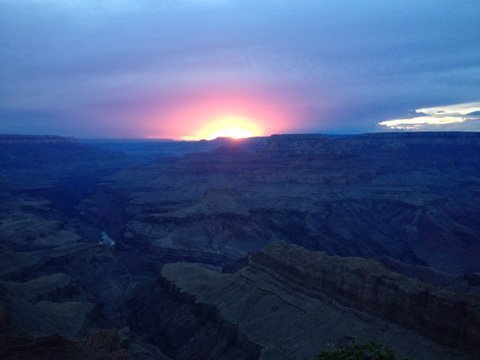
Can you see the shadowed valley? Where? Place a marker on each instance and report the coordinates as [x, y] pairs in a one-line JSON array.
[[272, 247]]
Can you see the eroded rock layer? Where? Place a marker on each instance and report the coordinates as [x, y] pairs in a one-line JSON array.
[[411, 197], [294, 302]]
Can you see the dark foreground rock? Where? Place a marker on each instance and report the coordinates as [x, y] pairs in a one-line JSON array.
[[183, 328], [294, 303]]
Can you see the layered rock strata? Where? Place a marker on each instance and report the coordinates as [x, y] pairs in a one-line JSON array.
[[293, 302]]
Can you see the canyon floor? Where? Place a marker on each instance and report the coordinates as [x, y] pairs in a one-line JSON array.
[[264, 248]]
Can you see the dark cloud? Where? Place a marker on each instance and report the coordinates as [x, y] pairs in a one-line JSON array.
[[102, 66]]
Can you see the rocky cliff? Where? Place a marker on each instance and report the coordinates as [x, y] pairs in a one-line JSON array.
[[183, 328], [294, 302], [443, 316]]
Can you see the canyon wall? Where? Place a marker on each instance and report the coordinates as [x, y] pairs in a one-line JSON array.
[[295, 302]]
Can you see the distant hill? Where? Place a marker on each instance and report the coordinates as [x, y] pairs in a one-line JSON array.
[[45, 139]]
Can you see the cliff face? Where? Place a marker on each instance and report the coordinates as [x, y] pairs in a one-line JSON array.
[[295, 302], [183, 328], [448, 318]]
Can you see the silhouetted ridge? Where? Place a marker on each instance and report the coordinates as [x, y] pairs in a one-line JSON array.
[[38, 139]]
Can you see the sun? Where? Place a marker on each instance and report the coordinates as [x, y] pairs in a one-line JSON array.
[[231, 132], [234, 127]]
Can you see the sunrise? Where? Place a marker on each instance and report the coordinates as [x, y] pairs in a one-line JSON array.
[[239, 180], [227, 126]]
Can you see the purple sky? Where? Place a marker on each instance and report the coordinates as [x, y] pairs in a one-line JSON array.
[[137, 68]]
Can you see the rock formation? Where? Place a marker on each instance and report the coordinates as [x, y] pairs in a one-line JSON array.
[[412, 197], [293, 302], [411, 201]]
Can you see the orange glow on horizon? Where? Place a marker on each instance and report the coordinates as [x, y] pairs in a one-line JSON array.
[[235, 114], [234, 127]]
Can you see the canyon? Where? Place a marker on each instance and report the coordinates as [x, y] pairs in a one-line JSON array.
[[272, 247]]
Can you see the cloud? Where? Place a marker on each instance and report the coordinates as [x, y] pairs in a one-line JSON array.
[[436, 118], [108, 67], [457, 109]]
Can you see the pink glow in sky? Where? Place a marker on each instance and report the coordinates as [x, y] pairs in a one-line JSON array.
[[200, 117], [174, 68]]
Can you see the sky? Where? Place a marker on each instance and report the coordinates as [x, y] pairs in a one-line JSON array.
[[177, 68]]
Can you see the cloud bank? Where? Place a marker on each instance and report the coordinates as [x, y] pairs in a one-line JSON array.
[[438, 118]]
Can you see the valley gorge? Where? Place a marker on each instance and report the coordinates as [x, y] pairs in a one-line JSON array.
[[264, 248]]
